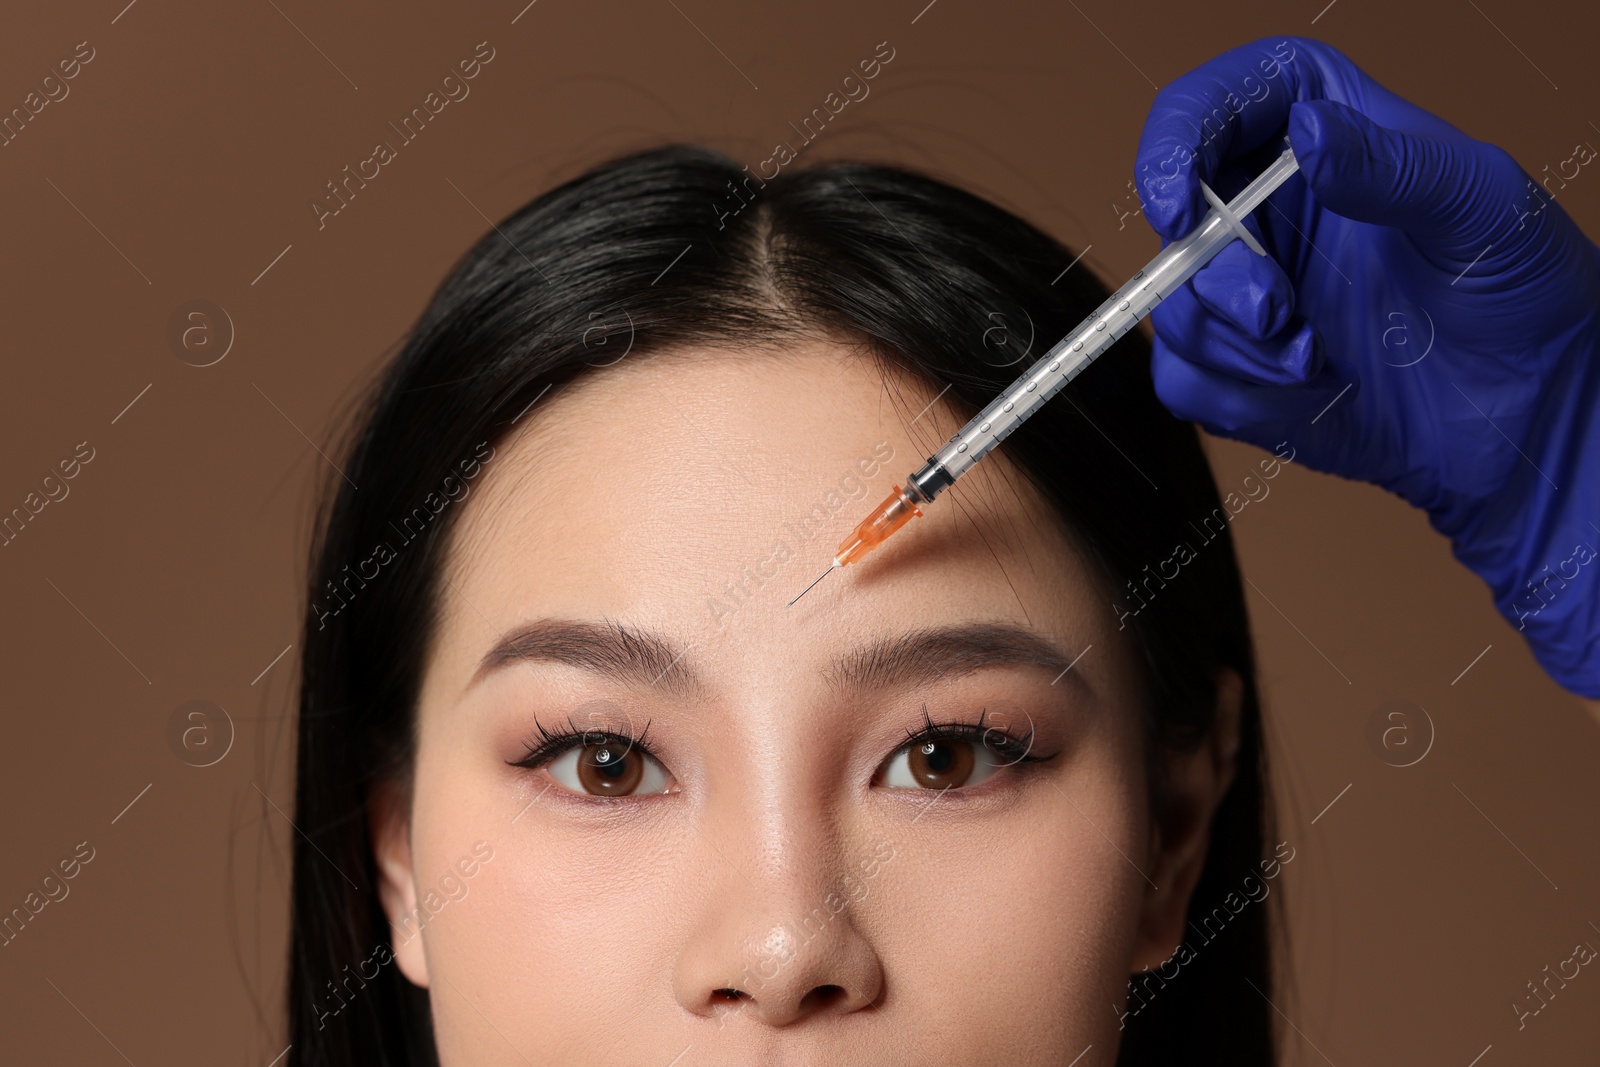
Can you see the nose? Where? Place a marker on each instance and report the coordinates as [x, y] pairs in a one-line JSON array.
[[778, 937]]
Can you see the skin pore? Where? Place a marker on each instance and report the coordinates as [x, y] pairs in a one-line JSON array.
[[789, 882]]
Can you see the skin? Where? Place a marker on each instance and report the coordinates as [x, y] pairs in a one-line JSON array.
[[858, 921]]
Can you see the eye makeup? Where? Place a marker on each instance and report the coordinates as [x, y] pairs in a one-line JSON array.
[[613, 764], [935, 758], [551, 743]]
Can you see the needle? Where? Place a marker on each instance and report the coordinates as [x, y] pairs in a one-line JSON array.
[[812, 586], [1119, 314]]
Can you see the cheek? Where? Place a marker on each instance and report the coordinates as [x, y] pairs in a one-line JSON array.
[[556, 931], [1025, 927]]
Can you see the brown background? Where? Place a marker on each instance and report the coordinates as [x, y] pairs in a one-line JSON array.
[[193, 143]]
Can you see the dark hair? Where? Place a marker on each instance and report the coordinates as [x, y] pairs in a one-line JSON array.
[[680, 246]]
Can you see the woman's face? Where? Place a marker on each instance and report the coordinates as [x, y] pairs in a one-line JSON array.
[[769, 872]]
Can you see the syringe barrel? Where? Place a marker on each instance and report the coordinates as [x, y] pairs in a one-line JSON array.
[[1160, 278]]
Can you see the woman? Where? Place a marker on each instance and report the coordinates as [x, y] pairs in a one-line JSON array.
[[577, 786]]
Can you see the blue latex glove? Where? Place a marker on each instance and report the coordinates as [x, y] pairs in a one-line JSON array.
[[1426, 272]]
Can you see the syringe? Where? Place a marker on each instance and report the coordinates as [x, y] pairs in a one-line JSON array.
[[1159, 279]]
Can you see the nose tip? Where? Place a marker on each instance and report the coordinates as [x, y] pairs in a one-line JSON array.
[[793, 973]]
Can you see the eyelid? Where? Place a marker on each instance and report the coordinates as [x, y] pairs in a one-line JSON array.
[[976, 732], [551, 747], [998, 740], [1002, 742], [555, 743]]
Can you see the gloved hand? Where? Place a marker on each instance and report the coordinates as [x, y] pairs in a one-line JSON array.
[[1428, 319]]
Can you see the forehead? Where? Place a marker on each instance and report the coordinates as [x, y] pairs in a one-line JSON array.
[[696, 492]]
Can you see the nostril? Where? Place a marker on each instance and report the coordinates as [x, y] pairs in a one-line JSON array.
[[821, 997]]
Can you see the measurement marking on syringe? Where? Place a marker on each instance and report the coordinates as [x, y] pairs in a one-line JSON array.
[[1112, 320]]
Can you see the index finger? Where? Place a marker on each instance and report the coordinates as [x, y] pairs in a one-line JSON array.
[[1221, 109]]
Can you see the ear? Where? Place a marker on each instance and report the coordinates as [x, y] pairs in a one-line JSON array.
[[1180, 835], [389, 822]]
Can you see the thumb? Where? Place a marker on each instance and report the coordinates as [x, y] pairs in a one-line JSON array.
[[1449, 195]]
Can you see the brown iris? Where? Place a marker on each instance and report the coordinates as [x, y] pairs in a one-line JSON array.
[[941, 763], [610, 769]]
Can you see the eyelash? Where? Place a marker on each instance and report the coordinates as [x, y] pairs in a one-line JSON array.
[[1009, 747], [1016, 751], [551, 744]]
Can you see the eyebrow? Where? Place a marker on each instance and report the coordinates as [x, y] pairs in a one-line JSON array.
[[947, 652], [633, 656], [644, 658]]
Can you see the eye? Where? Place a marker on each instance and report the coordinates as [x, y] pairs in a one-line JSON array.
[[941, 762], [953, 755], [608, 767]]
